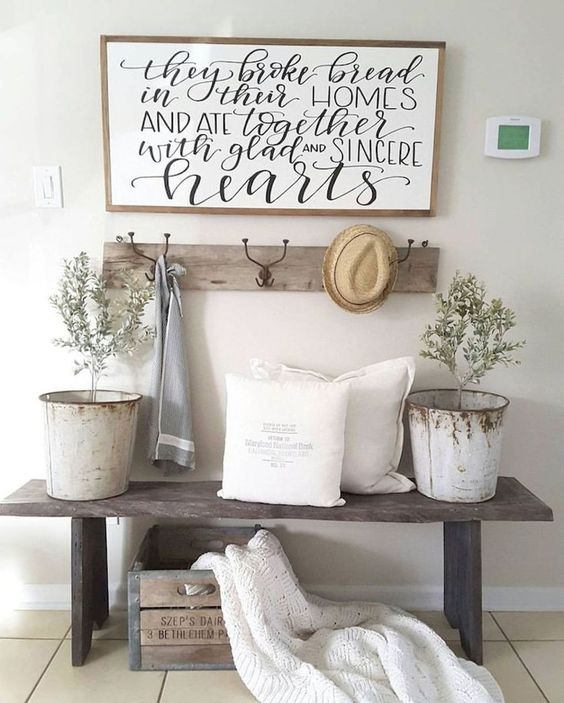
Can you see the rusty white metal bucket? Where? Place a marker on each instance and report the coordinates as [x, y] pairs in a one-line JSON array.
[[456, 452], [89, 445]]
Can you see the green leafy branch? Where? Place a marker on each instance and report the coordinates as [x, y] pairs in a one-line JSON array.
[[99, 328], [468, 335]]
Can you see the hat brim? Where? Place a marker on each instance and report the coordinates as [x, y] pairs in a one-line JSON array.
[[331, 259]]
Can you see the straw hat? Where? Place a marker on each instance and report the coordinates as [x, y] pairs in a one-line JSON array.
[[360, 268]]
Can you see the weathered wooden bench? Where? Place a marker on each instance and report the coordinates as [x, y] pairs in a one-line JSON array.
[[197, 501]]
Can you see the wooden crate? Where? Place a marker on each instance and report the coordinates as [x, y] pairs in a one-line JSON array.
[[169, 629]]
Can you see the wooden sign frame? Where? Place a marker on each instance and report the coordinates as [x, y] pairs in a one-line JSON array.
[[384, 160]]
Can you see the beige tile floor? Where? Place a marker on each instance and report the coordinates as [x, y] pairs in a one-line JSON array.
[[524, 651]]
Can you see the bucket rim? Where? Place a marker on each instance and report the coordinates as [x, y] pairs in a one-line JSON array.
[[414, 404], [51, 397]]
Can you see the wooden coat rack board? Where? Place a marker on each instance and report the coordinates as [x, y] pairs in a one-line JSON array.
[[225, 267]]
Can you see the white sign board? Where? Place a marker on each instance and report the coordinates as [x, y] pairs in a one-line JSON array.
[[271, 126]]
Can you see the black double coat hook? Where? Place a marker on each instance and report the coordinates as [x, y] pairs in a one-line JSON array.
[[264, 278], [150, 276]]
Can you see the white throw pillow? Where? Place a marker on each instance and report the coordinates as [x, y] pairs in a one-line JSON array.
[[284, 442], [374, 428]]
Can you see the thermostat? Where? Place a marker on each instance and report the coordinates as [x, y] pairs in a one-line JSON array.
[[513, 137]]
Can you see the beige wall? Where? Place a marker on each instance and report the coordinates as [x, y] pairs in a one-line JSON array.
[[499, 219]]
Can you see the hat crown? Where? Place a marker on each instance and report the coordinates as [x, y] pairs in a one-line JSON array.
[[360, 268], [362, 271]]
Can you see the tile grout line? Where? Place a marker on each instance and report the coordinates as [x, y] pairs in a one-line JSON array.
[[521, 660], [33, 639], [490, 613], [162, 687], [531, 639], [46, 667]]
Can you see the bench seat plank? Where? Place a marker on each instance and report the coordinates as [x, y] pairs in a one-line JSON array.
[[197, 500]]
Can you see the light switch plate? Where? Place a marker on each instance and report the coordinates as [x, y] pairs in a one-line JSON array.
[[48, 186]]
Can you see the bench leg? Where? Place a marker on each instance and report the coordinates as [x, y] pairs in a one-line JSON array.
[[89, 577], [101, 601], [463, 584], [450, 564]]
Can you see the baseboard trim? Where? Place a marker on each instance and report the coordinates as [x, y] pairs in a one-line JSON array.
[[58, 596], [431, 597]]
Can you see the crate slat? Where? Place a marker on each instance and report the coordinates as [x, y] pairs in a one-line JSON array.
[[191, 543], [186, 658], [176, 626], [163, 589]]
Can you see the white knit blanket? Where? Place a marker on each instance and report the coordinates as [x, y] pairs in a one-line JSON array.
[[289, 646]]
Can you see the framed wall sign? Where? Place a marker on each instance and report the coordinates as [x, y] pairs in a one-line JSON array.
[[271, 126]]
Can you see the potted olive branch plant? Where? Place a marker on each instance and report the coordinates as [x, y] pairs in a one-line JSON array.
[[456, 433], [90, 433]]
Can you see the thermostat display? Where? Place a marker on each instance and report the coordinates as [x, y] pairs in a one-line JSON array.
[[513, 137]]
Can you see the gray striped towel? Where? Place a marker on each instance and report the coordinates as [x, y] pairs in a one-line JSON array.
[[171, 443]]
